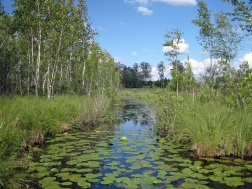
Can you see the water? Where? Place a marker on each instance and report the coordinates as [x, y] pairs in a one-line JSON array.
[[97, 158]]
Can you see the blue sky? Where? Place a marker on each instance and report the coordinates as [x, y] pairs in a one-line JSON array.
[[133, 30]]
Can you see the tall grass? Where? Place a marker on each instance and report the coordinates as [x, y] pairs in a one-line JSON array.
[[210, 127], [26, 121]]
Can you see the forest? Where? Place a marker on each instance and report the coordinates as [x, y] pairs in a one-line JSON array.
[[48, 47], [55, 77]]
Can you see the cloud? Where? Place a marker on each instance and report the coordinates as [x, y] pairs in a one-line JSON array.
[[247, 57], [118, 59], [134, 54], [183, 47], [155, 76], [145, 11], [170, 2], [199, 67], [178, 2], [141, 2]]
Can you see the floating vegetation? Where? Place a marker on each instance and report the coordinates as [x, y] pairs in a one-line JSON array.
[[105, 160]]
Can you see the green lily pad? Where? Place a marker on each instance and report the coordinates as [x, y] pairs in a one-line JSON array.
[[249, 180], [84, 184], [66, 183], [47, 181]]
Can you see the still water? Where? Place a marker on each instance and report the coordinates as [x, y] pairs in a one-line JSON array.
[[97, 158]]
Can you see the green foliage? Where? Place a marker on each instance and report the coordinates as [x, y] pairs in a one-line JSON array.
[[25, 121], [242, 13], [173, 39], [237, 92], [136, 76], [209, 125], [56, 51]]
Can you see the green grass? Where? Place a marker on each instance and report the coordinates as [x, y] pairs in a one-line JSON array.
[[26, 121], [209, 126]]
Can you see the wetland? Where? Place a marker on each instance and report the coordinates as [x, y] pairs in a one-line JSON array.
[[97, 157]]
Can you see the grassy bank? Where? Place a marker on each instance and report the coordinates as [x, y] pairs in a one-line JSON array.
[[205, 122], [26, 121]]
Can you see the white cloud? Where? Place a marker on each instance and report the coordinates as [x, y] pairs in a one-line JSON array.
[[247, 57], [170, 2], [155, 76], [199, 67], [145, 11], [133, 53], [183, 47], [142, 2], [118, 59], [178, 2]]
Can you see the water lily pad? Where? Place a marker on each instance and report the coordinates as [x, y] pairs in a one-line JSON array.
[[84, 184], [66, 183], [233, 181], [249, 180], [47, 181], [64, 174]]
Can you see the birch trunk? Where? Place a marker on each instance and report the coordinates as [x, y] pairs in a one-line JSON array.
[[38, 57]]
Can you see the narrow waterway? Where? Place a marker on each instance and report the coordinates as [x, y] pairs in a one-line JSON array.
[[131, 155]]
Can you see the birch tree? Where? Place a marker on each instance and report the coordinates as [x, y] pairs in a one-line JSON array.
[[173, 40]]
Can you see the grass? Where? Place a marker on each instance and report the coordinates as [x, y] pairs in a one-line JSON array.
[[205, 123], [26, 121]]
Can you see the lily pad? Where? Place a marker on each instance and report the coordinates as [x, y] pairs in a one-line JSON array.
[[84, 184]]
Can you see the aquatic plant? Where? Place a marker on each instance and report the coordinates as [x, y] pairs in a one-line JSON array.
[[27, 121]]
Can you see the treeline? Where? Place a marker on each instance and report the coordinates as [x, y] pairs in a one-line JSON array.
[[139, 75], [48, 47]]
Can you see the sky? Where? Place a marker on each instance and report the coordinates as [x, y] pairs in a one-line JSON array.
[[133, 31]]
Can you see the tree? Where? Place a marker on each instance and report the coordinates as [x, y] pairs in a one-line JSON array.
[[242, 13], [206, 34], [228, 42], [161, 69], [173, 39], [177, 73], [145, 71], [238, 94], [188, 76], [55, 51], [221, 40], [9, 77]]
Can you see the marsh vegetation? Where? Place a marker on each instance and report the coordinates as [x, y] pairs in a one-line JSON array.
[[98, 157]]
